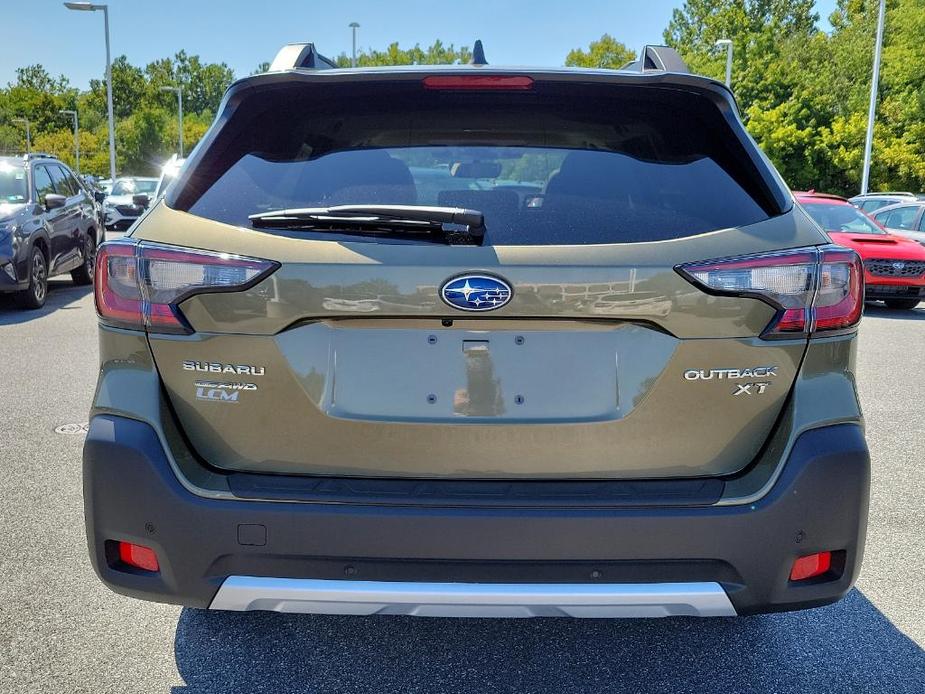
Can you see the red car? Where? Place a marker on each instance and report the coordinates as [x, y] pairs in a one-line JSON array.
[[894, 266]]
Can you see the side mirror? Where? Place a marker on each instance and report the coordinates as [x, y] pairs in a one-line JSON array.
[[141, 199], [54, 201], [99, 196]]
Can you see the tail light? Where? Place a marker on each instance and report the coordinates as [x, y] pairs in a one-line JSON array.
[[814, 289], [140, 285], [840, 290], [478, 82]]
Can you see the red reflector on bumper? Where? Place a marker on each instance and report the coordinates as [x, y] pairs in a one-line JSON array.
[[138, 556], [811, 566]]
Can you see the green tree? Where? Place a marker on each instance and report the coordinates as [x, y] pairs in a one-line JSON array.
[[203, 84], [37, 96], [146, 122], [605, 52], [803, 93], [35, 77], [141, 143], [128, 87], [435, 54], [762, 31]]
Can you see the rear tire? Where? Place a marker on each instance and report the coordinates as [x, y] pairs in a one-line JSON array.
[[84, 274], [33, 297], [901, 304]]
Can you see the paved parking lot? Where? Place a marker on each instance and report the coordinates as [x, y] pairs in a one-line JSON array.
[[62, 631]]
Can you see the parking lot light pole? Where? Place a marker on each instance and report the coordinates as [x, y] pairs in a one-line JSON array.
[[353, 60], [872, 111], [28, 133], [90, 7], [727, 44], [73, 114], [179, 92]]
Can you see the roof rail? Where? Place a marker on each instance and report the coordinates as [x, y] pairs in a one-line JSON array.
[[888, 192], [38, 155], [300, 55], [661, 58]]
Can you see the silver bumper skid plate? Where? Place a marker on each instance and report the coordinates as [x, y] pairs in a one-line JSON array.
[[314, 596]]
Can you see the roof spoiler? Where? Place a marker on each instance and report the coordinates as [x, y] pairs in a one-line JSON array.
[[660, 58], [300, 55]]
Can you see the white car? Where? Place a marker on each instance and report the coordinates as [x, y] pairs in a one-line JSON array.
[[119, 206]]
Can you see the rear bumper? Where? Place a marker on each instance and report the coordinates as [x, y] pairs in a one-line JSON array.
[[335, 557]]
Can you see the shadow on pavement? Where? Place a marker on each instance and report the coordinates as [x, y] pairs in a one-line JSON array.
[[878, 311], [62, 294], [847, 647]]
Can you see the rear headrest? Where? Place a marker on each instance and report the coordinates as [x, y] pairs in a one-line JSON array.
[[594, 175], [367, 176]]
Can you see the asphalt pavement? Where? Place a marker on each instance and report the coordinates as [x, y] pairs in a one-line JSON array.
[[62, 631]]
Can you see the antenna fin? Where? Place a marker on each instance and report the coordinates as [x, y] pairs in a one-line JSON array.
[[478, 54]]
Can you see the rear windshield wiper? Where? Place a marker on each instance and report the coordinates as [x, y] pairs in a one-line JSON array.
[[454, 225]]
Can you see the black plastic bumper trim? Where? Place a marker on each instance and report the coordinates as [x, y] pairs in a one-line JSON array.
[[818, 503], [532, 494]]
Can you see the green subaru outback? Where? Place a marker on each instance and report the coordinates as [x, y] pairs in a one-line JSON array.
[[478, 341]]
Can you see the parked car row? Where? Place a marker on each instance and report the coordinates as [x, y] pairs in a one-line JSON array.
[[906, 219], [871, 202], [51, 220], [129, 196], [900, 213], [894, 263], [50, 223], [120, 206]]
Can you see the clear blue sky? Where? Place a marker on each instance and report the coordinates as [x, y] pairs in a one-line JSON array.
[[243, 34]]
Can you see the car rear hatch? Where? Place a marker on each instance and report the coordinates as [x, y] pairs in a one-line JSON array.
[[574, 342]]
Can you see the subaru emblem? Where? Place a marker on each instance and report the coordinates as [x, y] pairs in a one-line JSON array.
[[899, 267], [476, 293]]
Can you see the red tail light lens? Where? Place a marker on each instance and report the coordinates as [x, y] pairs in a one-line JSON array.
[[813, 289], [840, 295], [478, 82], [139, 285], [139, 556]]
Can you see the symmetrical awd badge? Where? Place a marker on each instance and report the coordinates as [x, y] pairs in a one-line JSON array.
[[219, 391], [476, 293]]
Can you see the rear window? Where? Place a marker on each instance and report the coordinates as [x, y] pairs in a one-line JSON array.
[[560, 164], [134, 186], [871, 205], [898, 218], [841, 218]]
